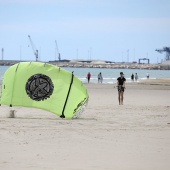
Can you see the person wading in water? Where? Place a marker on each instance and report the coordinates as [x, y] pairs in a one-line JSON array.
[[121, 86]]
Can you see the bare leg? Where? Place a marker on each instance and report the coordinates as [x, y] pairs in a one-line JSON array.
[[119, 96]]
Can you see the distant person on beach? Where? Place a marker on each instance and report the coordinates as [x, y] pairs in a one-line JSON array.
[[88, 77], [121, 86], [100, 78], [147, 75], [136, 76], [132, 77]]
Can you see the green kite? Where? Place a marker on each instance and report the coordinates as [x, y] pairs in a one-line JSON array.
[[44, 86]]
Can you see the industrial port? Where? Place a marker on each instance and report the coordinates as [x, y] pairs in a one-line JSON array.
[[143, 63]]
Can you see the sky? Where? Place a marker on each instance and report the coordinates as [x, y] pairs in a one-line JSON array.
[[112, 30]]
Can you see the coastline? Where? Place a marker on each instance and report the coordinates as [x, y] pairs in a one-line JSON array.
[[106, 134], [98, 64]]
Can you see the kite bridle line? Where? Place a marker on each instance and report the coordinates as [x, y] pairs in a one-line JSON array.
[[63, 116]]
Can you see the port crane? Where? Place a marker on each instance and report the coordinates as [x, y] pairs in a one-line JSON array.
[[166, 50], [35, 51], [57, 51]]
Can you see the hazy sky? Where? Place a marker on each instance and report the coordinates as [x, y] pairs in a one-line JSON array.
[[84, 29]]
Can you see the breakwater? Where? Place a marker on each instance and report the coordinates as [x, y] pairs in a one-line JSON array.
[[114, 65], [77, 64]]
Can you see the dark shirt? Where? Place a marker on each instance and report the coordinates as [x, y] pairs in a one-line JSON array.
[[121, 80]]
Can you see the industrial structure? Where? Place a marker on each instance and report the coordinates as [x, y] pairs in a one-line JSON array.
[[33, 48], [57, 51], [2, 53], [166, 50], [143, 59]]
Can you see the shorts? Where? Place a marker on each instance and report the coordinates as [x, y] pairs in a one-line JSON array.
[[121, 88]]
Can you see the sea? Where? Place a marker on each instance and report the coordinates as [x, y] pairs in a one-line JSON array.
[[109, 75]]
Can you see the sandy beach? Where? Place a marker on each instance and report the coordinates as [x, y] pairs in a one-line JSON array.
[[107, 136]]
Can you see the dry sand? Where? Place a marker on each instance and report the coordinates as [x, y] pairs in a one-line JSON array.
[[133, 136]]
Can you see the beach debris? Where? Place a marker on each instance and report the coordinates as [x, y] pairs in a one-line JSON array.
[[11, 114]]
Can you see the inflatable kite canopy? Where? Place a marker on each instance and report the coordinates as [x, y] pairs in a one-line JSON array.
[[44, 86]]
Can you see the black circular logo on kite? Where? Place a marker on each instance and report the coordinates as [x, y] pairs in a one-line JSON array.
[[39, 87]]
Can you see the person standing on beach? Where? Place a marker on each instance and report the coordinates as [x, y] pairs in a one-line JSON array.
[[132, 77], [100, 78], [147, 75], [121, 86], [88, 77], [136, 76]]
